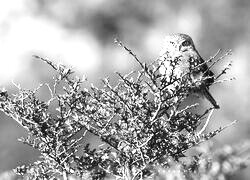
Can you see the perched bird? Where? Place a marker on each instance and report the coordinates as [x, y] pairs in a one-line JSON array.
[[179, 49]]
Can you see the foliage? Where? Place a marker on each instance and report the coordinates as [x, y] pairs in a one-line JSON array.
[[142, 123]]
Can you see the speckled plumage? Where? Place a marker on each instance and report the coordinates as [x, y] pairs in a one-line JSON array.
[[181, 47]]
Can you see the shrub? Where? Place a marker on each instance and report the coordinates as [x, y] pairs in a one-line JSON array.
[[142, 123]]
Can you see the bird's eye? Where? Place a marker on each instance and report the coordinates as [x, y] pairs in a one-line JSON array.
[[186, 43]]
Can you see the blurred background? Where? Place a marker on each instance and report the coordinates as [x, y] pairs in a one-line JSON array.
[[81, 35]]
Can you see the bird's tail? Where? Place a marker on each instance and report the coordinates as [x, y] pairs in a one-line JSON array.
[[210, 98]]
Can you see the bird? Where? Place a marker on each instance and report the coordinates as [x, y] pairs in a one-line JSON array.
[[180, 49]]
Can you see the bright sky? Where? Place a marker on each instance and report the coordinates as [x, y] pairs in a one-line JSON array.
[[22, 35]]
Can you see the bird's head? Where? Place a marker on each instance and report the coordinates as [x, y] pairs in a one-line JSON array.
[[177, 43]]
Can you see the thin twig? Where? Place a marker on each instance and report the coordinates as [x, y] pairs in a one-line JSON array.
[[154, 118], [224, 71], [188, 107], [18, 86], [117, 41], [228, 125], [117, 94], [214, 56], [229, 52], [207, 121], [51, 93], [53, 65], [143, 65], [210, 60], [143, 144], [224, 80]]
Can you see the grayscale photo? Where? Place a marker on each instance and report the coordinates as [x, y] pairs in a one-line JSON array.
[[124, 90]]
